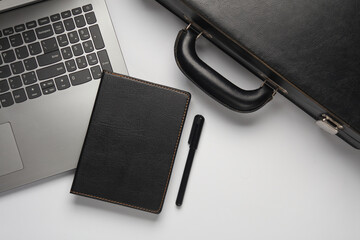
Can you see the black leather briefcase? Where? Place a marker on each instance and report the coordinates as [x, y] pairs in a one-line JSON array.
[[308, 51]]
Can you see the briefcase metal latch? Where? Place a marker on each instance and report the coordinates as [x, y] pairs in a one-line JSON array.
[[329, 125]]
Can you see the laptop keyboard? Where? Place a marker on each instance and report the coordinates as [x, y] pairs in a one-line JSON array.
[[50, 54]]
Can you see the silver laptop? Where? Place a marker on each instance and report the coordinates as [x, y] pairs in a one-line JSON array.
[[52, 54]]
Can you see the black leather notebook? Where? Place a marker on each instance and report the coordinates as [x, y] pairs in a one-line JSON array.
[[131, 143]]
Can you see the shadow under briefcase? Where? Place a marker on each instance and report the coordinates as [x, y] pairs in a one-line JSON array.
[[308, 51]]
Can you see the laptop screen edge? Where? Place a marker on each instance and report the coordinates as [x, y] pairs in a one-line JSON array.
[[6, 5]]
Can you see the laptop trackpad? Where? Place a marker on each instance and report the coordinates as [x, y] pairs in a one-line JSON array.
[[10, 160]]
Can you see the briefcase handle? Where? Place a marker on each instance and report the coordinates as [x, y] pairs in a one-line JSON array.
[[213, 83]]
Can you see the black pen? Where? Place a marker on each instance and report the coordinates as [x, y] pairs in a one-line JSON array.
[[193, 142]]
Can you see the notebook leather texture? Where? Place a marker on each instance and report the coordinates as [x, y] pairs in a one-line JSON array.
[[131, 143]]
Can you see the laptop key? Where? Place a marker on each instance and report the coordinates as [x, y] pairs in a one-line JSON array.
[[22, 52], [44, 32], [90, 18], [49, 58], [88, 46], [62, 82], [81, 62], [31, 24], [96, 36], [66, 53], [69, 24], [76, 11], [29, 78], [8, 31], [29, 36], [16, 40], [73, 37], [4, 44], [51, 71], [70, 65], [96, 72], [20, 28], [92, 59], [17, 68], [5, 71], [33, 91], [9, 56], [6, 99], [80, 77], [55, 17], [66, 14], [35, 48], [30, 64], [4, 86], [15, 82], [48, 87], [87, 8], [19, 95], [49, 45], [63, 41], [104, 60], [47, 84], [49, 90], [77, 49], [80, 21], [84, 34], [43, 21], [58, 27]]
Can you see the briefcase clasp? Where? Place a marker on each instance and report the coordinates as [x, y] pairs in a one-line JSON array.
[[329, 125]]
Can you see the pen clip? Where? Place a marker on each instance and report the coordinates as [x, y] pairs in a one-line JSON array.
[[196, 131]]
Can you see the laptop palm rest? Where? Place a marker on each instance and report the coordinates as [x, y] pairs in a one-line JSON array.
[[10, 160]]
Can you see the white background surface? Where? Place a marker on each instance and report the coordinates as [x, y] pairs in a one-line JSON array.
[[268, 175]]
